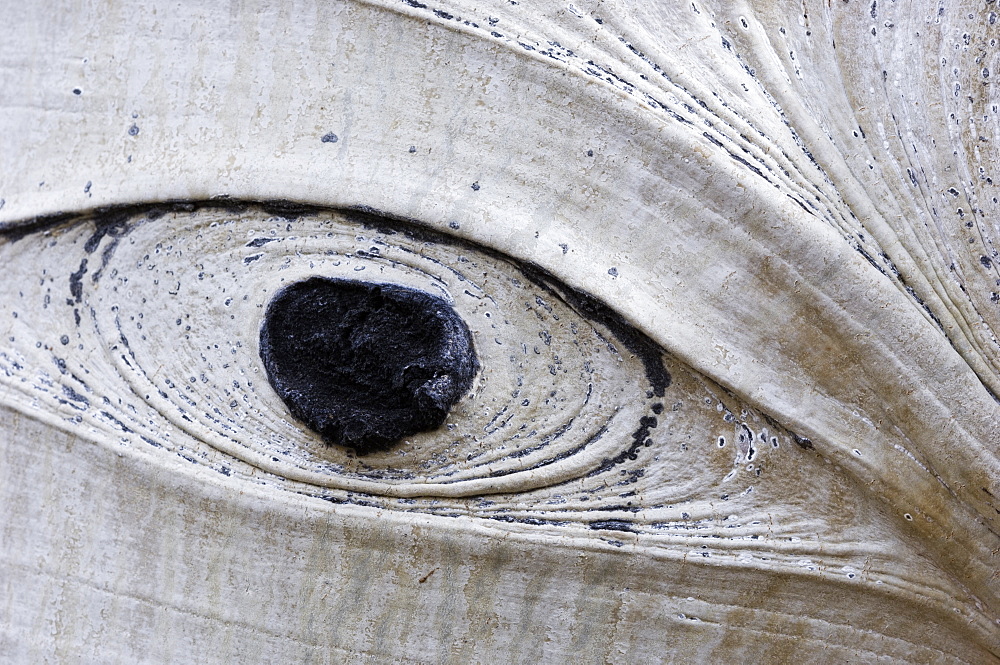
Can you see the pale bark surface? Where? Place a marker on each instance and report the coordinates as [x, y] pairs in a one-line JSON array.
[[793, 203]]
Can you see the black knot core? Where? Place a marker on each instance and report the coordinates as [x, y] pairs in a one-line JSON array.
[[363, 364]]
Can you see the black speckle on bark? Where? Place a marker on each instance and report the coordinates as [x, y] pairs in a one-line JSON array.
[[802, 442], [366, 365], [613, 525], [329, 137], [76, 282]]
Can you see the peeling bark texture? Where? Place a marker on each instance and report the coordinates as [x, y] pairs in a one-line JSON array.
[[719, 288]]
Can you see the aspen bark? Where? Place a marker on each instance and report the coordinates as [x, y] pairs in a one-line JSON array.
[[728, 269]]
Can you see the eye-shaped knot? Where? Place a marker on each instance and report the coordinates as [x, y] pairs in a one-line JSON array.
[[364, 364]]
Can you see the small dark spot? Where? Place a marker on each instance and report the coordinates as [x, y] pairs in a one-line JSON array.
[[613, 272], [64, 340], [260, 242], [76, 281], [985, 260], [86, 188], [453, 225], [590, 153], [413, 149], [802, 442], [475, 186], [329, 137], [74, 396], [133, 130], [77, 91], [612, 525]]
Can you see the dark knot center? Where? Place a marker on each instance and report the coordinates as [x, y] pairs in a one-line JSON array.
[[366, 365]]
